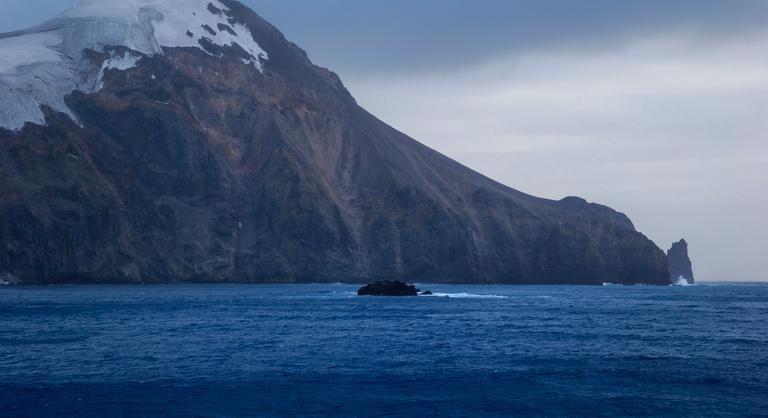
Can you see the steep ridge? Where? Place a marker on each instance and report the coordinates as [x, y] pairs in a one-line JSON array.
[[229, 156]]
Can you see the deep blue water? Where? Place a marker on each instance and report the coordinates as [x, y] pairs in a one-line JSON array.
[[318, 350]]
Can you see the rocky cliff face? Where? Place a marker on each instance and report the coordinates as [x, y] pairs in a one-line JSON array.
[[234, 158], [680, 267]]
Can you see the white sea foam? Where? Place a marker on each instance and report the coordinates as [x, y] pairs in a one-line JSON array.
[[7, 279], [464, 296]]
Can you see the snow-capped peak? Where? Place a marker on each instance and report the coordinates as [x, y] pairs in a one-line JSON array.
[[174, 23], [42, 65]]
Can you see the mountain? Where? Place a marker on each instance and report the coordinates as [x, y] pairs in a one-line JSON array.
[[188, 140], [680, 267]]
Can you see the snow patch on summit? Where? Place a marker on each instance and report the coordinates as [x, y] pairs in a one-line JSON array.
[[30, 49], [33, 73], [172, 21], [117, 61], [42, 65]]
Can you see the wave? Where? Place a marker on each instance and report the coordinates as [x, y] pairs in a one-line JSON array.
[[464, 295], [682, 282]]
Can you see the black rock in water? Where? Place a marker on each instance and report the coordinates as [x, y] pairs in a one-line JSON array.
[[680, 266], [388, 288], [195, 166], [427, 293]]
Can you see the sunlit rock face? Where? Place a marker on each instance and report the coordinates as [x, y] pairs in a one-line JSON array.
[[190, 141], [680, 266]]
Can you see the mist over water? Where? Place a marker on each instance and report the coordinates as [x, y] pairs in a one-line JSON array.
[[238, 350]]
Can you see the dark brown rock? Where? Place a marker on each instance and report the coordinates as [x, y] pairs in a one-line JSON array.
[[388, 288], [680, 266], [192, 167]]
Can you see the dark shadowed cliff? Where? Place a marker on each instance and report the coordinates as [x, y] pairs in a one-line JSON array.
[[680, 266], [213, 163]]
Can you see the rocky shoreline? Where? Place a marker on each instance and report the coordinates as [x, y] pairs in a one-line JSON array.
[[8, 279]]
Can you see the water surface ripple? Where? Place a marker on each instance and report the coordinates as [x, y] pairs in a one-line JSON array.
[[318, 350]]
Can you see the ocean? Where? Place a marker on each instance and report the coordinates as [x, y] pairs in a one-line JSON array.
[[319, 350]]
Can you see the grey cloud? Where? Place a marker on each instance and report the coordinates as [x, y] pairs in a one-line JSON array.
[[367, 37], [355, 36], [670, 133]]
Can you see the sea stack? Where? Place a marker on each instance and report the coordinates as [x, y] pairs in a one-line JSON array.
[[680, 267]]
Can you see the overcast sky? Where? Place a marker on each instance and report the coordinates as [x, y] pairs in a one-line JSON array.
[[657, 108]]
